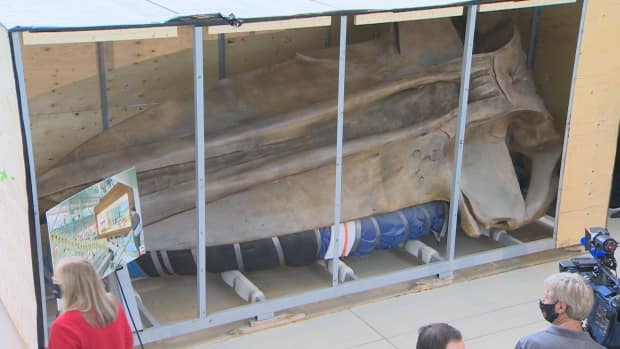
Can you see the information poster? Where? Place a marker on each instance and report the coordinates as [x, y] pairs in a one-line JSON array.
[[102, 223]]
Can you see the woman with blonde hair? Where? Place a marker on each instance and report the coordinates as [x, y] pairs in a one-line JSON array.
[[91, 318]]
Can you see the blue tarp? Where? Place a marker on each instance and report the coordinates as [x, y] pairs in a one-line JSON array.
[[79, 14]]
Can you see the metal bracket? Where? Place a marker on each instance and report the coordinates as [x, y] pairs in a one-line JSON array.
[[345, 272], [613, 212], [147, 316], [127, 292], [243, 286], [265, 316], [504, 238], [234, 21], [445, 275], [549, 221], [422, 251]]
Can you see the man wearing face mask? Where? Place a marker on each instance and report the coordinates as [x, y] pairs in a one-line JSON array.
[[567, 301]]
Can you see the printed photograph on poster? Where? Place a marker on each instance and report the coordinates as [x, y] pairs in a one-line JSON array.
[[101, 223]]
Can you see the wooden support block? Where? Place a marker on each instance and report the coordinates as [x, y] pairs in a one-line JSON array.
[[385, 17], [513, 5], [276, 321], [47, 38], [295, 23]]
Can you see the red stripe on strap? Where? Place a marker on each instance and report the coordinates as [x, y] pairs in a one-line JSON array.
[[346, 240]]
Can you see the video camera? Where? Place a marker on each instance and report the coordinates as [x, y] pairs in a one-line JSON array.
[[600, 271]]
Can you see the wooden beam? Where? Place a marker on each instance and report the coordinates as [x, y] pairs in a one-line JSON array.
[[592, 127], [68, 37], [295, 23], [513, 5], [385, 17]]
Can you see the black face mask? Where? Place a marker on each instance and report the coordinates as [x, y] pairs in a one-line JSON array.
[[548, 311]]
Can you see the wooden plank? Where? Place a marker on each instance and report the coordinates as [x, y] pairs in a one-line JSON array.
[[128, 52], [513, 5], [571, 226], [592, 135], [385, 17], [295, 23], [71, 37], [17, 292]]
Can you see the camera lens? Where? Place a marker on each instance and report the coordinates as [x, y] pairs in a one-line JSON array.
[[610, 245]]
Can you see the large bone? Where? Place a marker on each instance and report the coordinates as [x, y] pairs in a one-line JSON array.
[[270, 145]]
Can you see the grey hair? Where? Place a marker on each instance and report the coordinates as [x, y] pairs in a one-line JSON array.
[[573, 290]]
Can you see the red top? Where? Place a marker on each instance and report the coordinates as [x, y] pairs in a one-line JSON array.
[[71, 331]]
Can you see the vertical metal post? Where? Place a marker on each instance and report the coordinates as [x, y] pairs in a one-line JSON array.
[[531, 50], [339, 134], [328, 36], [23, 101], [569, 114], [221, 54], [199, 114], [103, 86], [459, 140]]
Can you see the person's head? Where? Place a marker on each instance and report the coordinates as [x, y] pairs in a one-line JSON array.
[[566, 295], [439, 336], [82, 290]]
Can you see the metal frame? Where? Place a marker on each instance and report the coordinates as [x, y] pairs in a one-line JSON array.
[[199, 135], [455, 192], [204, 320], [221, 56], [103, 86], [339, 136], [535, 28]]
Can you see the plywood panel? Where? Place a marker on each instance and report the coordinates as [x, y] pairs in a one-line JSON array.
[[508, 5], [54, 134], [284, 24], [385, 17], [152, 81], [571, 226], [82, 36], [50, 67], [555, 56], [357, 33], [124, 53], [17, 291], [593, 127], [75, 97]]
